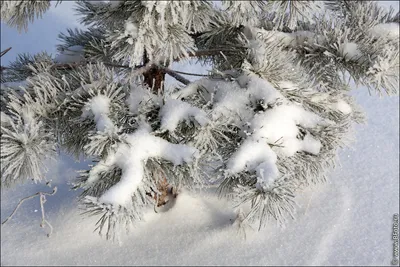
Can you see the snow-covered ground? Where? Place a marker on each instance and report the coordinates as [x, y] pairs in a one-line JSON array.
[[347, 221]]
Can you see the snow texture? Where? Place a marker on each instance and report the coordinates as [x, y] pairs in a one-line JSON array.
[[140, 95], [190, 89], [276, 130], [130, 157], [350, 51], [254, 156], [99, 106], [279, 126], [131, 30], [175, 111], [341, 106], [389, 30]]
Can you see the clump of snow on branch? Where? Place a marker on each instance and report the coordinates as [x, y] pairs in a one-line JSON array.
[[175, 111], [99, 107], [256, 156], [279, 126], [342, 106], [272, 132], [131, 156], [350, 51], [140, 95], [131, 31]]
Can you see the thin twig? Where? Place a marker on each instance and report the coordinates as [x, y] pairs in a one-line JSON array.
[[5, 51], [42, 199], [19, 204], [175, 75], [191, 74]]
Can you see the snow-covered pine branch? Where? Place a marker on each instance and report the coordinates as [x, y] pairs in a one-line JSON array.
[[19, 13], [267, 121]]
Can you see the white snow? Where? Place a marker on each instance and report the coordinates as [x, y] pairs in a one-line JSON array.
[[342, 106], [350, 51], [261, 89], [230, 103], [188, 90], [175, 111], [71, 54], [347, 221], [140, 95], [254, 156], [279, 126], [131, 30], [99, 107], [389, 30], [130, 157]]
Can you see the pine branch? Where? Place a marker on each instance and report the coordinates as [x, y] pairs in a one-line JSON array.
[[201, 53]]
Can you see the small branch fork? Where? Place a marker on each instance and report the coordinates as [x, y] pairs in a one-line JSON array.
[[42, 199]]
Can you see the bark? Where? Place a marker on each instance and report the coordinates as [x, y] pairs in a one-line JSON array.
[[154, 77]]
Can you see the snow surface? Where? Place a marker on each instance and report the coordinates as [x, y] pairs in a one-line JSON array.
[[347, 221]]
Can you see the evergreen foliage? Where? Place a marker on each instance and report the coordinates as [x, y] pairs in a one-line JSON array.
[[266, 122]]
